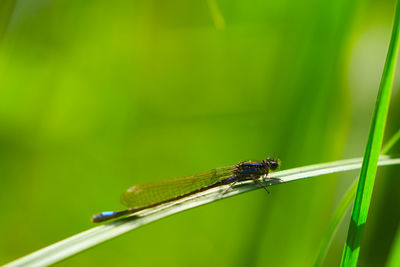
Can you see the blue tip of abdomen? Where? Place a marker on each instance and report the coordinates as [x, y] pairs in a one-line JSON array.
[[104, 216]]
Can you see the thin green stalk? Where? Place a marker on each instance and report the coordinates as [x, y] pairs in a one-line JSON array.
[[340, 211], [374, 143], [218, 19], [392, 141], [394, 255], [6, 10], [337, 218]]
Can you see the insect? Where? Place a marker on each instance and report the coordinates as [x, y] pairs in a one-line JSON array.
[[151, 194]]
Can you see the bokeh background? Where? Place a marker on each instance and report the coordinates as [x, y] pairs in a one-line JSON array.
[[96, 96]]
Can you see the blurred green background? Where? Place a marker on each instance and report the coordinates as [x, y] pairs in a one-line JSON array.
[[96, 96]]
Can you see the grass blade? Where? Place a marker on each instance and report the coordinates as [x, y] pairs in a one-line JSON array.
[[372, 150], [75, 244], [218, 19], [394, 255], [337, 218], [340, 211], [6, 10], [392, 141]]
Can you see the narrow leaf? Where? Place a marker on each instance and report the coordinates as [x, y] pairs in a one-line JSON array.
[[75, 244], [372, 151]]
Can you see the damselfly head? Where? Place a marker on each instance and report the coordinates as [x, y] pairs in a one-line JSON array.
[[273, 164]]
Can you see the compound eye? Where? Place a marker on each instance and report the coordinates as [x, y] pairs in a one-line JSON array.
[[274, 165]]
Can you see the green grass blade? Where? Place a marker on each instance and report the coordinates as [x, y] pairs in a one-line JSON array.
[[6, 10], [368, 170], [392, 141], [90, 238], [218, 19], [394, 255], [337, 218], [340, 211]]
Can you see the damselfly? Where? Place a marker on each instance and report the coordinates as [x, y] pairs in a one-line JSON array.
[[147, 195]]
